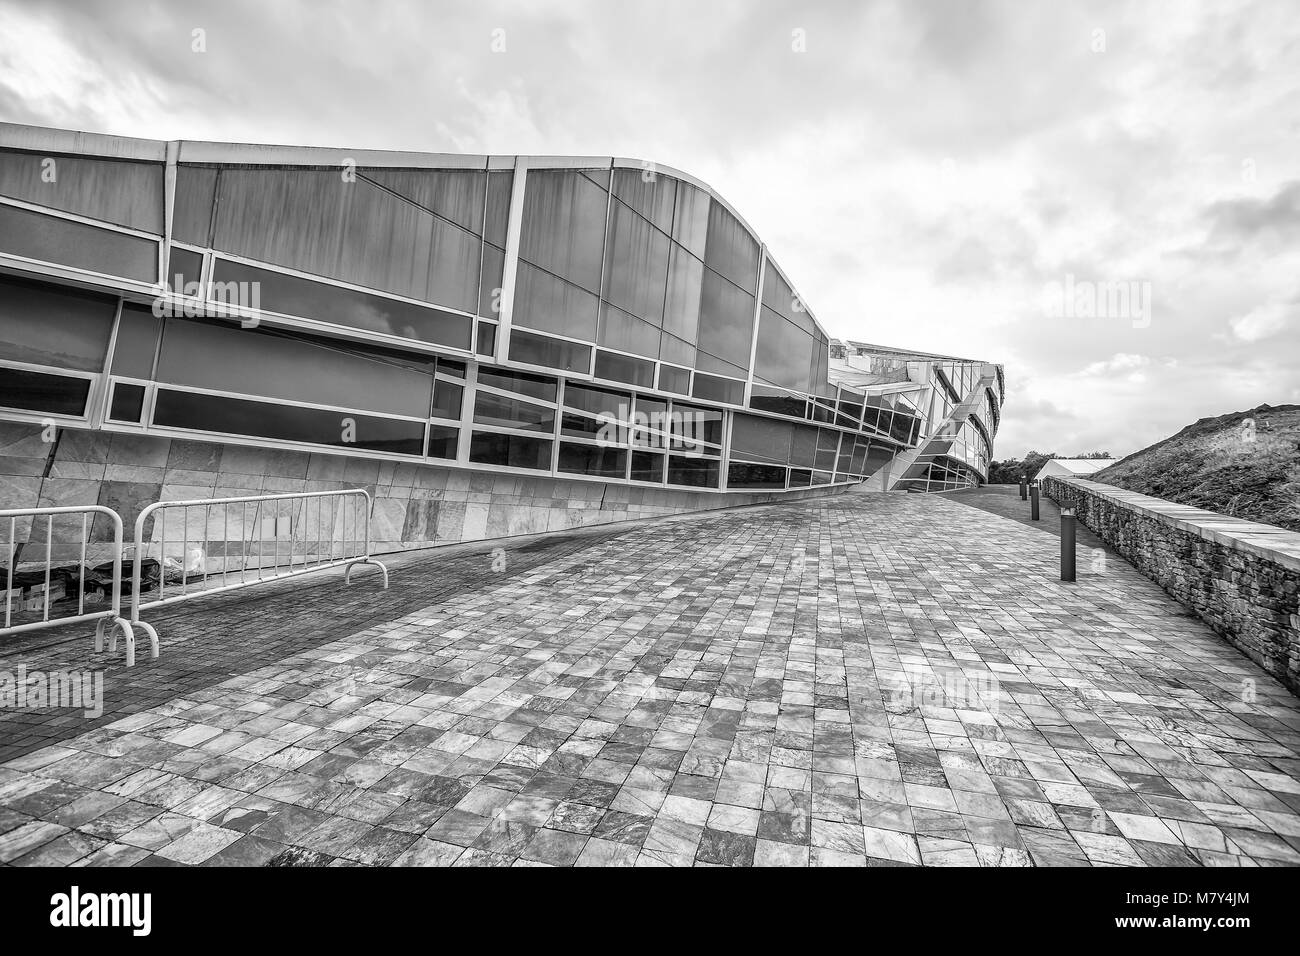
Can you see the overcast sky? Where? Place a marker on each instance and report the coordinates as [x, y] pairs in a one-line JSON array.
[[939, 176]]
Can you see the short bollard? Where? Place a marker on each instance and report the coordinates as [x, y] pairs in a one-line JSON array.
[[1024, 487], [1067, 544], [1033, 502]]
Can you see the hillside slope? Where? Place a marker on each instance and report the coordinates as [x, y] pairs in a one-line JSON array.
[[1211, 464]]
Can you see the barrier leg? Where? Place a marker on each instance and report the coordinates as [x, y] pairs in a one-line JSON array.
[[347, 575]]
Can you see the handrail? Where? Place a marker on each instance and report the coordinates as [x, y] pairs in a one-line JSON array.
[[338, 522], [111, 615]]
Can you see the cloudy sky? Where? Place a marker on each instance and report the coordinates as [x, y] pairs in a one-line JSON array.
[[1103, 197]]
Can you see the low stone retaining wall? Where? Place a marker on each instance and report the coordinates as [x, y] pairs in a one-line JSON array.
[[1240, 577]]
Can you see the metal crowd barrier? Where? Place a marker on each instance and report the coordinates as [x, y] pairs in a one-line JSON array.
[[109, 617], [290, 522]]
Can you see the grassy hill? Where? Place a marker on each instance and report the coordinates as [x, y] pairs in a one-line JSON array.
[[1211, 465]]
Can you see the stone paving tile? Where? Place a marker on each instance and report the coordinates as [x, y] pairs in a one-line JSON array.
[[869, 680]]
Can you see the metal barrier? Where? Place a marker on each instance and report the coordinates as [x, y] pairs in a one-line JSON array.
[[111, 616], [331, 535]]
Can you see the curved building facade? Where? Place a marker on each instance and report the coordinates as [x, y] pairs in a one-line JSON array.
[[491, 345]]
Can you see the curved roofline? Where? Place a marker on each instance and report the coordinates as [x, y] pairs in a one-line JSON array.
[[77, 142], [19, 136]]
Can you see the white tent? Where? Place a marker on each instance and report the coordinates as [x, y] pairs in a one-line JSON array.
[[1072, 467]]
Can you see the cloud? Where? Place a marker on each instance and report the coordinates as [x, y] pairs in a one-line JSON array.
[[1247, 219], [1121, 362], [1264, 321]]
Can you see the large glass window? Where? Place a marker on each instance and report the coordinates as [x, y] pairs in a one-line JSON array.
[[43, 393], [124, 192], [45, 325], [550, 304], [232, 359], [648, 192], [317, 426], [784, 353], [636, 268], [293, 295], [627, 333], [761, 439], [358, 232], [726, 327], [192, 211], [731, 250], [564, 225], [682, 301], [33, 235], [512, 451]]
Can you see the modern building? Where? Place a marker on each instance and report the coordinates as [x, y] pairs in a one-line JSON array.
[[1072, 467], [491, 345]]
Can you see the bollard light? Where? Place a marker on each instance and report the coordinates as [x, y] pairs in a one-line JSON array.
[[1024, 487], [1067, 544], [1033, 501]]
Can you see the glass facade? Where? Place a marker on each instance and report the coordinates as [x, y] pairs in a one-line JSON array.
[[565, 318]]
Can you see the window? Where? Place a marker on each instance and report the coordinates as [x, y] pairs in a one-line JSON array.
[[693, 472], [624, 368], [692, 424], [442, 441], [293, 295], [582, 426], [761, 439], [446, 399], [726, 326], [44, 325], [741, 475], [34, 235], [673, 379], [41, 392], [492, 409], [486, 341], [563, 228], [138, 331], [549, 304], [647, 466], [731, 250], [317, 426], [710, 388], [128, 403], [184, 271], [512, 451], [587, 398], [604, 462], [543, 350], [521, 383], [636, 268], [224, 357]]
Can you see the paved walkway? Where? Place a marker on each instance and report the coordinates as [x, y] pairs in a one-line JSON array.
[[867, 680]]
